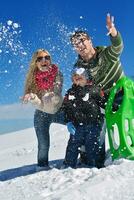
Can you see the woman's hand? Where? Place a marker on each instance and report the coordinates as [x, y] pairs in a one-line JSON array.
[[47, 97], [28, 97]]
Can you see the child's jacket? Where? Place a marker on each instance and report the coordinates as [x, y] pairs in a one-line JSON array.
[[82, 104]]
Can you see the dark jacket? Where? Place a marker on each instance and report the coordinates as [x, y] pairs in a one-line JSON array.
[[82, 104]]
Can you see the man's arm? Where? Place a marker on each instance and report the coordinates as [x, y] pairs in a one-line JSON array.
[[117, 43]]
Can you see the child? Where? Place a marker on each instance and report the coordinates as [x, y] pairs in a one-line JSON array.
[[82, 112]]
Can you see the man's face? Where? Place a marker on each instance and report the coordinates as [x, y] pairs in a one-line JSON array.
[[82, 45]]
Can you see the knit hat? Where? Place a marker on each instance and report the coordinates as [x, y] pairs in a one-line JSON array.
[[81, 71]]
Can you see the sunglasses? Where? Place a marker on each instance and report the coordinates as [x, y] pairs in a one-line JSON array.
[[41, 58], [78, 41]]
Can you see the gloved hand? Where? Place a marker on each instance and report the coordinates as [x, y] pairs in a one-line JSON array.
[[71, 128]]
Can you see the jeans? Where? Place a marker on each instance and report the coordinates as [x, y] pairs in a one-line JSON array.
[[101, 156], [42, 122], [88, 135]]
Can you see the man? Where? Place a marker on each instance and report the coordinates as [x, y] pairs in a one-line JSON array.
[[102, 63]]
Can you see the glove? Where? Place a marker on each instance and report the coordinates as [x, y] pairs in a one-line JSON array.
[[71, 128]]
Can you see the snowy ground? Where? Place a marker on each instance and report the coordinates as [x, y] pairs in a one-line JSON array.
[[18, 179]]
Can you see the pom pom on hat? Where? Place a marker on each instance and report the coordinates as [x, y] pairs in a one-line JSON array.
[[81, 71]]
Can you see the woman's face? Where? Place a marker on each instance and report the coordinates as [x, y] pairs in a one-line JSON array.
[[43, 61], [79, 80]]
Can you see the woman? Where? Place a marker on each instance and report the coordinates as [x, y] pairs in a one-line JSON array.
[[43, 89]]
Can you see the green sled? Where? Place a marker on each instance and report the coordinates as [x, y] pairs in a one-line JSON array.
[[120, 119]]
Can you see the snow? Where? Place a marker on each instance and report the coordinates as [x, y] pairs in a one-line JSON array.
[[15, 25], [81, 17], [19, 179], [9, 22], [18, 150], [10, 39]]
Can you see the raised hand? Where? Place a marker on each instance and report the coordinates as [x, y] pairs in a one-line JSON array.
[[110, 25]]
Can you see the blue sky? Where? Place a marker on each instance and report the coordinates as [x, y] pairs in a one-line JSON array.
[[47, 24]]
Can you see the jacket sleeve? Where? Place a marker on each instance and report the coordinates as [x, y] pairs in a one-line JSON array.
[[36, 101], [99, 96], [114, 51], [68, 108]]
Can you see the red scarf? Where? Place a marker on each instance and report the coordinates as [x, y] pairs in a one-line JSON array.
[[45, 80]]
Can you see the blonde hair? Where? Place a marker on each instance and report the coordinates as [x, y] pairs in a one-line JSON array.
[[30, 85]]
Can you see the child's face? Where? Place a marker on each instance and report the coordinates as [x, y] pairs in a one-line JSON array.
[[79, 80]]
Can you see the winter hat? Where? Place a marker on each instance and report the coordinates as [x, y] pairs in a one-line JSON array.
[[81, 71]]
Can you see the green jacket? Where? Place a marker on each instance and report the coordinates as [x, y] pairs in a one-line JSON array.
[[106, 68]]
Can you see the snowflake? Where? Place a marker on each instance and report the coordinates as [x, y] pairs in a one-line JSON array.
[[15, 25], [9, 22]]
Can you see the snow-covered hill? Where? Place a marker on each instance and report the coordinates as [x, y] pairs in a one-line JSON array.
[[18, 179]]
